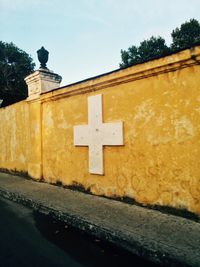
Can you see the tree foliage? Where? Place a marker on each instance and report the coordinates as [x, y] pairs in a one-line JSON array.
[[148, 49], [185, 36], [15, 65]]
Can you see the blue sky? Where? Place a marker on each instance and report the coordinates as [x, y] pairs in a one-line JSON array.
[[84, 37]]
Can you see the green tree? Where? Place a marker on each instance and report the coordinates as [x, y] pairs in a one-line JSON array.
[[148, 49], [129, 57], [15, 65], [187, 35], [152, 48]]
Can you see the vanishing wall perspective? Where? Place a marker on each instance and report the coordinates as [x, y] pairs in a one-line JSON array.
[[158, 106]]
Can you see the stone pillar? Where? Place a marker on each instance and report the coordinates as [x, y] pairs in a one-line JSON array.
[[41, 81]]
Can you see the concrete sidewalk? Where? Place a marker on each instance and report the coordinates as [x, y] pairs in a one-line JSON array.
[[162, 238]]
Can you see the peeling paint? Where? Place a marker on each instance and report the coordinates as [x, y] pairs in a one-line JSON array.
[[144, 111], [183, 128]]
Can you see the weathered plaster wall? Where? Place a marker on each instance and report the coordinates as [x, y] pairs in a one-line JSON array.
[[159, 104], [35, 140], [159, 162], [14, 136]]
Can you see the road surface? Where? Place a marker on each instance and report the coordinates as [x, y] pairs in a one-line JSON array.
[[28, 238]]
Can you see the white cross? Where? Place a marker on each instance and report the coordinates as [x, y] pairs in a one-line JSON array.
[[97, 134]]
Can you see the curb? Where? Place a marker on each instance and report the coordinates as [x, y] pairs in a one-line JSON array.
[[118, 238]]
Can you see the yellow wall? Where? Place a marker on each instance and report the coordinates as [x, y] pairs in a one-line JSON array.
[[14, 137], [159, 104]]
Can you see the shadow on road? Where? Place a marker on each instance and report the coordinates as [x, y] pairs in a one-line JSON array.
[[86, 250]]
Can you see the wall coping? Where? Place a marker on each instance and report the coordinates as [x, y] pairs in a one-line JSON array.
[[173, 62]]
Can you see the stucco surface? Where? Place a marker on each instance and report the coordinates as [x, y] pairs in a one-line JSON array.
[[159, 105], [159, 162], [14, 137]]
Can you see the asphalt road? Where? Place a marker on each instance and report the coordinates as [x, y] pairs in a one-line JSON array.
[[30, 239]]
